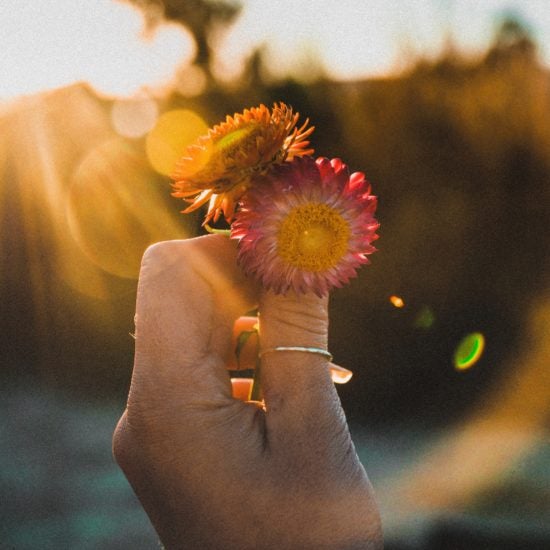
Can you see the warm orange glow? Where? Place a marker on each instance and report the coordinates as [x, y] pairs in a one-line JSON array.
[[397, 301], [3, 159], [27, 132], [134, 117], [47, 135], [115, 209], [173, 132]]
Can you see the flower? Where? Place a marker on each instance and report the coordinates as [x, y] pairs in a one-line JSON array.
[[221, 166], [307, 227]]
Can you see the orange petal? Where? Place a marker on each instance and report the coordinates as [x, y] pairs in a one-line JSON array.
[[249, 352], [241, 388]]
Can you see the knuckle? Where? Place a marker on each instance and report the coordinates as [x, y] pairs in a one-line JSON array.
[[158, 251], [123, 447]]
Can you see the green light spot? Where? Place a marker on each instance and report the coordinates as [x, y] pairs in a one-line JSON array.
[[469, 351], [425, 318]]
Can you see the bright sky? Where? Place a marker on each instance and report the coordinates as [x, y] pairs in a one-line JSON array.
[[358, 38], [50, 43], [53, 43]]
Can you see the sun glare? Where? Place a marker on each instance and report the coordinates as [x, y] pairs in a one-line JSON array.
[[166, 142], [134, 117], [115, 210], [46, 45], [86, 196]]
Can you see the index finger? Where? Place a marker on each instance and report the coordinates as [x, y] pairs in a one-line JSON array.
[[189, 294]]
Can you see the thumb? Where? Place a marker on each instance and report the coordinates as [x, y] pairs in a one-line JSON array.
[[296, 384]]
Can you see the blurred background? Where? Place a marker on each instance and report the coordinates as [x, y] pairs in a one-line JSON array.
[[444, 104]]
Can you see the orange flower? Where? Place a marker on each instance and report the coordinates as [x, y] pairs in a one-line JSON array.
[[222, 165]]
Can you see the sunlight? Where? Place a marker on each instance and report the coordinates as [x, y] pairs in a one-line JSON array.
[[40, 157], [173, 132], [3, 155], [89, 203], [115, 209], [134, 117], [101, 42]]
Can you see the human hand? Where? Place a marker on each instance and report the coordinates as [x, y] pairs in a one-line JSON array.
[[213, 472]]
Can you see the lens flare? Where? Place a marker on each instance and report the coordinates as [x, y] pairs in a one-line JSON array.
[[167, 141], [191, 81], [135, 117], [115, 209], [469, 351], [425, 318], [397, 301]]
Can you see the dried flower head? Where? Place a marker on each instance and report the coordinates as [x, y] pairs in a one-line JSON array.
[[222, 165], [307, 227]]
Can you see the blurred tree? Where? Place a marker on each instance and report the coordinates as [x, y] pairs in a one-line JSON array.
[[512, 40], [201, 17]]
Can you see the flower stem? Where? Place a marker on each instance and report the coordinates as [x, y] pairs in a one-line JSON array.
[[226, 232]]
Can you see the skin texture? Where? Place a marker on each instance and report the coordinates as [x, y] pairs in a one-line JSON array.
[[213, 472]]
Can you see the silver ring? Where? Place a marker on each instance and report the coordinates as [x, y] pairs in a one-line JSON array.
[[303, 349]]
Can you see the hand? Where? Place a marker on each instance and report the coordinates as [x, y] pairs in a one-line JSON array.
[[213, 472]]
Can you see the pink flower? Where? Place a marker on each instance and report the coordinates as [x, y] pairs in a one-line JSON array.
[[307, 226]]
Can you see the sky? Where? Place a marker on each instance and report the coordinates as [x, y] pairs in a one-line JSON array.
[[55, 43], [362, 38]]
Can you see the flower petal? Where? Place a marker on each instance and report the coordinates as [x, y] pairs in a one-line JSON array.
[[307, 226]]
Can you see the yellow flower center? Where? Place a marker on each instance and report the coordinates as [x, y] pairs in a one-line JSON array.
[[313, 237]]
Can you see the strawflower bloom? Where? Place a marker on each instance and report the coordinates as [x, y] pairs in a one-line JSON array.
[[223, 164], [307, 226]]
